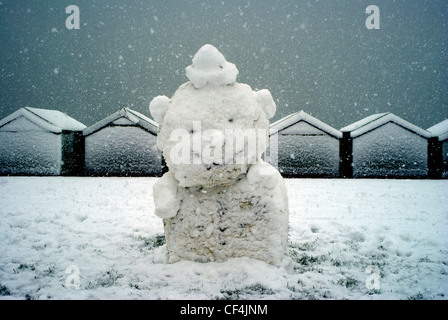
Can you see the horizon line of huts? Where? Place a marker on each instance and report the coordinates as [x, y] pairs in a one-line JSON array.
[[48, 142]]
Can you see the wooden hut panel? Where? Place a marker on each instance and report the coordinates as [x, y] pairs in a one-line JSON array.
[[390, 151], [308, 156], [37, 142], [305, 146], [30, 152], [122, 150]]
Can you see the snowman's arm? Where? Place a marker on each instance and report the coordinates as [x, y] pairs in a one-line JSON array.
[[265, 99], [165, 196], [158, 107], [263, 174]]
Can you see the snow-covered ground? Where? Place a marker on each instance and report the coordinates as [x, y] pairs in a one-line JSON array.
[[349, 239]]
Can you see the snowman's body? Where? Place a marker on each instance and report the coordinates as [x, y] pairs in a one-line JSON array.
[[219, 199]]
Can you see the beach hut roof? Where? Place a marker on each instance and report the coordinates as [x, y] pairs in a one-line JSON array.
[[377, 120], [294, 118], [51, 120], [440, 130], [123, 117]]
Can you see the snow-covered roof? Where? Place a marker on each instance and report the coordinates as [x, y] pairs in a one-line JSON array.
[[376, 120], [51, 120], [294, 118], [440, 130], [133, 117]]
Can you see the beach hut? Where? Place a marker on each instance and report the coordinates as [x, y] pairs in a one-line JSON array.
[[40, 142], [123, 144], [438, 150], [306, 147], [384, 145]]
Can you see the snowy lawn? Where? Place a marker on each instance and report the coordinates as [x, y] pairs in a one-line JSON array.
[[103, 232]]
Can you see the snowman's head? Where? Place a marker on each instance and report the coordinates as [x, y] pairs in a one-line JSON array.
[[213, 128]]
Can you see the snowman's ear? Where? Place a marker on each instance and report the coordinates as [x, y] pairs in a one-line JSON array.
[[158, 108], [264, 98]]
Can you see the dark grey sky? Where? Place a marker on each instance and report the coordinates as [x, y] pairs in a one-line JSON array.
[[312, 55]]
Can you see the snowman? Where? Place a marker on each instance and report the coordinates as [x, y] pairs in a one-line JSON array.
[[219, 199]]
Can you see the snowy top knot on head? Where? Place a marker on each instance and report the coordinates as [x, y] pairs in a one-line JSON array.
[[211, 68]]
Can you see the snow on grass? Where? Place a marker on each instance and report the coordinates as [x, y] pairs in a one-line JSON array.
[[103, 231]]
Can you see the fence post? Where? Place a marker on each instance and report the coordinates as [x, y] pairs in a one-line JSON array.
[[346, 156], [73, 152], [435, 158]]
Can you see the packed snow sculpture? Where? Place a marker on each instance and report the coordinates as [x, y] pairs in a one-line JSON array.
[[219, 199]]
